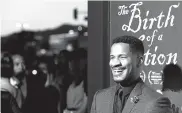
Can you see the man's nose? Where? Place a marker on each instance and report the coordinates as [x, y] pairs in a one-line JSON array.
[[116, 63], [22, 66]]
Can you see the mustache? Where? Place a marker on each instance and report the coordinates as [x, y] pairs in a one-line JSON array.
[[118, 68]]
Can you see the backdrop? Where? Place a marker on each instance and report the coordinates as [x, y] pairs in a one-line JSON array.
[[158, 24]]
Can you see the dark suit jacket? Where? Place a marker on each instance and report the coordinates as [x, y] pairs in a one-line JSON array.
[[8, 103], [146, 101]]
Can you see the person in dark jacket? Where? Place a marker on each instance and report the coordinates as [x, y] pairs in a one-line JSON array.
[[172, 85], [131, 94], [8, 92]]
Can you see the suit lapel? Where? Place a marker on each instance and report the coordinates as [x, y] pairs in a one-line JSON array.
[[136, 92], [112, 96]]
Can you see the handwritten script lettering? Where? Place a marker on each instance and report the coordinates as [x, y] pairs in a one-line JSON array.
[[148, 23], [152, 24]]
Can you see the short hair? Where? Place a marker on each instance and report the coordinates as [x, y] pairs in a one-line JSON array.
[[172, 78], [6, 65], [17, 56], [136, 45]]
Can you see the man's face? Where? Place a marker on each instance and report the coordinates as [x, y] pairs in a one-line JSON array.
[[122, 62], [74, 66], [43, 68], [19, 65]]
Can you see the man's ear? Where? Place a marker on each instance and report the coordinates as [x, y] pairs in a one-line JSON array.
[[139, 60]]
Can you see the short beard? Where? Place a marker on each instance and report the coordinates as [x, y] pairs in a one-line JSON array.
[[20, 75], [129, 82], [125, 82]]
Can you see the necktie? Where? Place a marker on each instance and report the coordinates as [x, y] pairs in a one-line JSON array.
[[118, 101], [19, 98]]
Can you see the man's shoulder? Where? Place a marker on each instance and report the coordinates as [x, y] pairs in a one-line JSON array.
[[148, 91], [156, 102], [106, 91]]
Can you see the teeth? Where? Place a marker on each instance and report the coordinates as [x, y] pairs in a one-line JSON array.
[[118, 70]]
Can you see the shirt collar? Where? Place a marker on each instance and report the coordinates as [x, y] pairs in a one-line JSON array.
[[127, 89]]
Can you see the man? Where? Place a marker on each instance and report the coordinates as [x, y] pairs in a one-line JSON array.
[[8, 92], [19, 79], [130, 95]]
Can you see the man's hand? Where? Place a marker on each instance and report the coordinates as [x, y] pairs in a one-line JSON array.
[[160, 105]]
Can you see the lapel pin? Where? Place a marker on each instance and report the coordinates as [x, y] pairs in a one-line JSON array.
[[134, 99]]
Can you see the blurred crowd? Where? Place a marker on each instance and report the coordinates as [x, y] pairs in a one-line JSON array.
[[51, 84]]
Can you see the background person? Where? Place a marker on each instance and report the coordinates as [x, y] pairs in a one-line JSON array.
[[8, 92], [172, 85]]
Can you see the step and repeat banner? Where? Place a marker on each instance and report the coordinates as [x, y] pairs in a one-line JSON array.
[[159, 25]]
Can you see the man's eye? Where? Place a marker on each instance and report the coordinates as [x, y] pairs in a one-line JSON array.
[[111, 57], [16, 64], [122, 57]]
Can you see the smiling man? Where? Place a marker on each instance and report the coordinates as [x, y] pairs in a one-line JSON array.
[[130, 95]]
